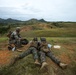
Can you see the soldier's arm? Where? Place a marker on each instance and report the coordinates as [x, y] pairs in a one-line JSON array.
[[16, 37], [11, 36]]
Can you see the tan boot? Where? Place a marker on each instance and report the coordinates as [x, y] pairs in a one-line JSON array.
[[44, 64], [37, 62], [63, 65]]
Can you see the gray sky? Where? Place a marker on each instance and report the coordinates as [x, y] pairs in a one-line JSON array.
[[50, 10]]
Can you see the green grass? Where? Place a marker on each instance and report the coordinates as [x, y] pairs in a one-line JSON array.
[[3, 39], [55, 36], [50, 33], [26, 66], [63, 40]]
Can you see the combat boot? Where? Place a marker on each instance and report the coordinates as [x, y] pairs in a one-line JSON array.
[[63, 65], [44, 64], [37, 62]]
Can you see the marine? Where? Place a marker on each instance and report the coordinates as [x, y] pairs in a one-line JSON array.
[[14, 39], [45, 51], [31, 50]]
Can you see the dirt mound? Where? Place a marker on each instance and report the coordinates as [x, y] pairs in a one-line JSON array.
[[45, 26], [26, 28], [42, 26]]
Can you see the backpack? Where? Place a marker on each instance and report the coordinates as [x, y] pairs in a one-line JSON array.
[[9, 34], [24, 41]]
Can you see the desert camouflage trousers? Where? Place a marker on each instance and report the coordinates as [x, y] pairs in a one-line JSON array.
[[48, 54], [31, 50]]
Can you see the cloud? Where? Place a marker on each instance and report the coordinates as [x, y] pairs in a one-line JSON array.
[[52, 10]]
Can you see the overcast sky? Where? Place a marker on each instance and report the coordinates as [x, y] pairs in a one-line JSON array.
[[50, 10]]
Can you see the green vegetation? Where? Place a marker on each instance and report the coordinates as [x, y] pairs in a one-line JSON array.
[[4, 29], [3, 39], [26, 66], [56, 33], [50, 33]]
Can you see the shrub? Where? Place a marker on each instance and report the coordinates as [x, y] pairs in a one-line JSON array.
[[4, 29]]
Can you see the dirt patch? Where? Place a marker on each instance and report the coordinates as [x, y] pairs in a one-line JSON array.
[[26, 28], [3, 46], [45, 26], [64, 58], [4, 57], [70, 47]]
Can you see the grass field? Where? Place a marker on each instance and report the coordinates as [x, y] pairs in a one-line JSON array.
[[2, 39], [64, 37], [66, 54], [50, 33]]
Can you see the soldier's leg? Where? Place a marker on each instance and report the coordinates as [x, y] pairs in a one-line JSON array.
[[18, 43], [35, 55], [57, 61], [52, 57], [42, 56], [11, 45], [24, 54], [43, 59], [20, 56]]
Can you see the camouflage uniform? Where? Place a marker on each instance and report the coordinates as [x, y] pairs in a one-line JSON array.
[[48, 54], [31, 50], [45, 51], [15, 39]]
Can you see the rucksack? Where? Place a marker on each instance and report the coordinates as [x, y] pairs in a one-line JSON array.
[[9, 34], [24, 41]]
